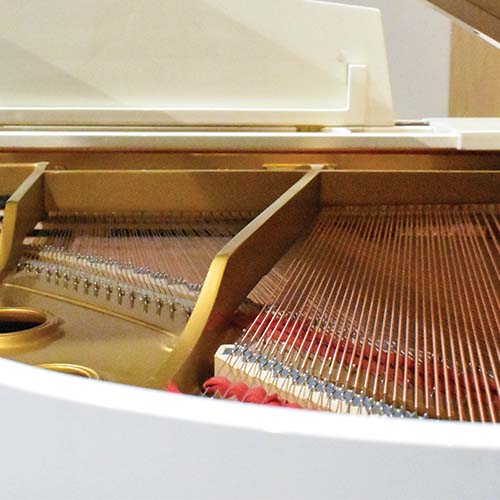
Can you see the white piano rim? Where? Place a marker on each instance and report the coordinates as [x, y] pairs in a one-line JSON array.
[[50, 386]]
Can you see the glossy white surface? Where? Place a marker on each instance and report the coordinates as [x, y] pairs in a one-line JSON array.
[[473, 133], [204, 61], [65, 437], [418, 40], [354, 110], [441, 133], [226, 141]]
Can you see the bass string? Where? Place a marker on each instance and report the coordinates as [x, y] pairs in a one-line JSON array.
[[445, 405], [325, 270], [418, 312], [374, 308], [486, 279], [287, 293], [316, 291], [452, 342], [252, 336], [333, 314], [328, 286], [267, 286], [257, 334], [317, 254], [254, 331], [303, 304], [473, 324], [314, 254], [357, 300], [387, 300]]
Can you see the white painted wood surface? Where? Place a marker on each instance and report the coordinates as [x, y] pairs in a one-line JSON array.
[[418, 48], [69, 438], [268, 62]]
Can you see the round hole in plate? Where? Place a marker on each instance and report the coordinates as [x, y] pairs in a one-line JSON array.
[[71, 369], [15, 320], [23, 329]]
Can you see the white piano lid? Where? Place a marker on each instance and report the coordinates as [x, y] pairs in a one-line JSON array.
[[193, 62]]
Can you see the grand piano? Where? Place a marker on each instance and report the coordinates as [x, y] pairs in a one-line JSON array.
[[227, 270]]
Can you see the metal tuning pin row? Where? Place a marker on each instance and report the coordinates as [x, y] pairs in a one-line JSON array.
[[107, 266], [336, 398], [93, 285]]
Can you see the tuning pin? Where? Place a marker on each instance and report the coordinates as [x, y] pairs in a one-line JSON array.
[[173, 308], [109, 291], [97, 287], [145, 301], [132, 298], [120, 293], [159, 305]]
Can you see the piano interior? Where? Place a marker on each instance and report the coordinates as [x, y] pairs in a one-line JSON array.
[[332, 285], [210, 208]]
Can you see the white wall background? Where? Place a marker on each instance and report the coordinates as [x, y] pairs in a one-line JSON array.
[[418, 45]]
